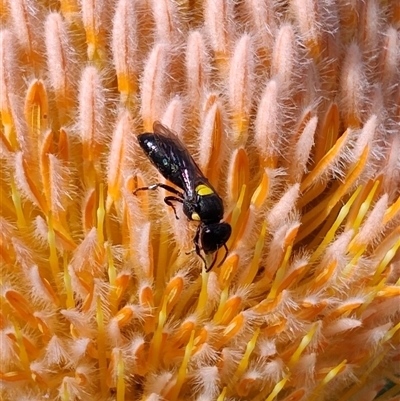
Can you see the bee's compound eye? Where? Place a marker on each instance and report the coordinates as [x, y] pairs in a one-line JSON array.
[[213, 236]]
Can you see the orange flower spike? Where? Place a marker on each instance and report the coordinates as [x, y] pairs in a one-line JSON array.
[[329, 132], [294, 275], [312, 193], [277, 388], [117, 157], [121, 373], [23, 354], [389, 291], [308, 16], [392, 211], [211, 139], [45, 286], [44, 329], [203, 297], [268, 125], [353, 81], [29, 185], [330, 376], [228, 271], [21, 306], [275, 329], [255, 262], [92, 123], [322, 277], [124, 316], [170, 297], [61, 62], [182, 335], [9, 82], [237, 217], [201, 338], [14, 377], [387, 243], [95, 30], [89, 211], [359, 201], [244, 362], [244, 386], [230, 331], [153, 85], [371, 229], [163, 256], [146, 298], [344, 310], [280, 274], [101, 214], [173, 292], [363, 209], [328, 160], [239, 175], [36, 114], [7, 251], [300, 150], [81, 378], [64, 145], [385, 262], [113, 300], [241, 86], [318, 214], [31, 349], [125, 50], [305, 341], [101, 344], [329, 237], [267, 305], [296, 395], [173, 393], [371, 296], [69, 301], [219, 27], [69, 8], [228, 311], [111, 376], [353, 174], [47, 147], [261, 193], [309, 311], [39, 379], [88, 301]]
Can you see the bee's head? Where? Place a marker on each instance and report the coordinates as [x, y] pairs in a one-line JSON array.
[[214, 236]]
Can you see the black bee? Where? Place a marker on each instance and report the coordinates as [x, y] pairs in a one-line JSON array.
[[199, 199]]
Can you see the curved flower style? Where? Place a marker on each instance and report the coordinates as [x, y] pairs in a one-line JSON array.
[[291, 109]]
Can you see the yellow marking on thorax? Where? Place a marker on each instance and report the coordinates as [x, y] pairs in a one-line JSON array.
[[195, 217], [203, 190]]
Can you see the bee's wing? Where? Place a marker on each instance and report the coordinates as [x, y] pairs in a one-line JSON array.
[[181, 169]]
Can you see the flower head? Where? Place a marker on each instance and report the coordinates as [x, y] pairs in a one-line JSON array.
[[291, 110]]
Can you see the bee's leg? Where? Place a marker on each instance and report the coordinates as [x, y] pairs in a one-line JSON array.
[[168, 200], [226, 254], [213, 263], [198, 247], [159, 185]]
